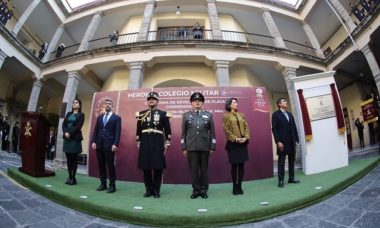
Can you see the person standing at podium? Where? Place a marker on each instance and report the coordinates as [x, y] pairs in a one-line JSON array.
[[72, 135], [105, 141]]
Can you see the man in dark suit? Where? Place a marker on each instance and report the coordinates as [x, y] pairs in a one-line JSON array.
[[285, 135], [153, 136], [105, 141]]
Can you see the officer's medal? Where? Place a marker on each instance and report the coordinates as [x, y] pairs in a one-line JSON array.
[[156, 118]]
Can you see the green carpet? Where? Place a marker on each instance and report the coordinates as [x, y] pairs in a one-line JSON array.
[[175, 208]]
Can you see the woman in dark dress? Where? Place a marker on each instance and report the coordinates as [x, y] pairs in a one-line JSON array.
[[237, 133], [72, 135]]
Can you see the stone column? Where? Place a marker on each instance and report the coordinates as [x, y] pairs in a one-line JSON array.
[[273, 29], [373, 65], [34, 95], [214, 20], [343, 14], [147, 19], [222, 73], [3, 56], [90, 31], [136, 75], [53, 43], [313, 40], [25, 15], [68, 97]]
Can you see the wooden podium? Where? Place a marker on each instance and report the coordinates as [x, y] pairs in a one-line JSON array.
[[34, 131]]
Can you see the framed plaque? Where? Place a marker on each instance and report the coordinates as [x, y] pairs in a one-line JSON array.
[[320, 107]]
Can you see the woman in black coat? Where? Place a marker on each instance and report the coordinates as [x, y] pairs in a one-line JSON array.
[[72, 135]]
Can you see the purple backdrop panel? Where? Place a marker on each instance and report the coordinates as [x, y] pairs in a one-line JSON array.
[[253, 102]]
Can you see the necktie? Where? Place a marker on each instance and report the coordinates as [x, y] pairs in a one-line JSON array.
[[105, 119]]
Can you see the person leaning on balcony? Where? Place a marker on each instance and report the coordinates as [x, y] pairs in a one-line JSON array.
[[60, 50], [197, 31], [43, 50], [237, 133], [153, 136], [358, 14], [7, 15], [365, 5], [72, 139], [3, 6], [114, 37]]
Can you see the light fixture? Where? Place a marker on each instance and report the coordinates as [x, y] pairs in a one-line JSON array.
[[178, 12]]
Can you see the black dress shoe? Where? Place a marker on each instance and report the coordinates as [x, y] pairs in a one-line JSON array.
[[156, 195], [101, 187], [280, 184], [111, 189], [73, 181], [294, 181], [194, 195], [148, 194], [204, 195], [67, 181]]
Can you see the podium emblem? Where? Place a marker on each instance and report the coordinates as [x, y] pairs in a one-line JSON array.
[[28, 128]]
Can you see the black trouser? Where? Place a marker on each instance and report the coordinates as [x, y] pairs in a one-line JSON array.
[[106, 158], [152, 180], [15, 145], [281, 166], [198, 163], [72, 164], [237, 173], [361, 139], [4, 145]]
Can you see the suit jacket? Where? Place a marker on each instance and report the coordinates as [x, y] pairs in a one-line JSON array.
[[76, 132], [106, 136], [235, 126], [284, 131]]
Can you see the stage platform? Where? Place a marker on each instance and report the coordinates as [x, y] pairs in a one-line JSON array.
[[175, 208]]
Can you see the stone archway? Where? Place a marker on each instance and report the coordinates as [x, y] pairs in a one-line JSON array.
[[178, 83]]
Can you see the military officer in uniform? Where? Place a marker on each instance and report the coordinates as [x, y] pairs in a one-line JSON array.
[[153, 138], [198, 143]]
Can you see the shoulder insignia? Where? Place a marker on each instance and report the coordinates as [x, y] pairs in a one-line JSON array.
[[137, 114]]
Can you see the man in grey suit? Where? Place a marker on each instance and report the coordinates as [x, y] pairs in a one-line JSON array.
[[285, 135], [198, 143], [105, 141]]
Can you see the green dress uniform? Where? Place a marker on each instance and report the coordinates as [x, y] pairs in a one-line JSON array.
[[198, 138]]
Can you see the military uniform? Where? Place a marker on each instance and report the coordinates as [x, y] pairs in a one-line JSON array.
[[152, 134], [198, 139]]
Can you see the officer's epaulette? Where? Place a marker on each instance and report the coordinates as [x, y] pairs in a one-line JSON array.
[[169, 114], [137, 114]]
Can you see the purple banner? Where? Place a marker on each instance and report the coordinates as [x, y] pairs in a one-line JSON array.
[[253, 102]]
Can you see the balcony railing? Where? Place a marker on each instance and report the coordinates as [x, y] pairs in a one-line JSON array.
[[174, 34]]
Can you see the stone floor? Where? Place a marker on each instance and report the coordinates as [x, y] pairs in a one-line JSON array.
[[357, 206]]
